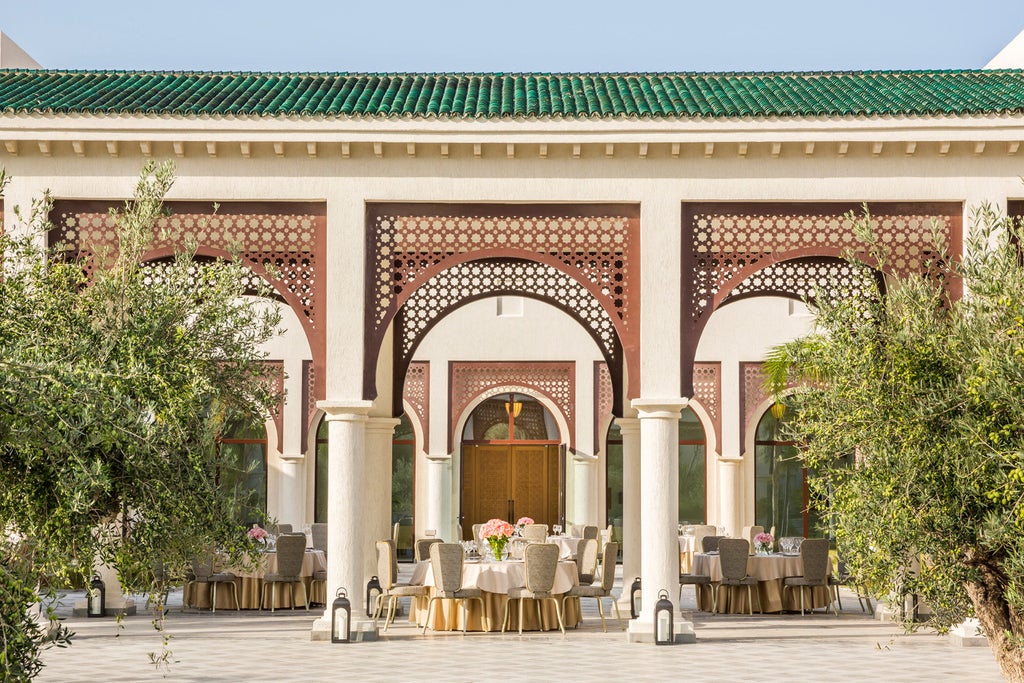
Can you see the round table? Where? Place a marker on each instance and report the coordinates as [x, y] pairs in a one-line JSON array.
[[770, 571], [494, 579], [567, 545]]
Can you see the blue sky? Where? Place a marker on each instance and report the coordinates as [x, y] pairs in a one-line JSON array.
[[524, 35]]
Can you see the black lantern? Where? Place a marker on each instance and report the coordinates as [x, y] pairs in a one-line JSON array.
[[634, 598], [96, 597], [663, 620], [373, 589], [341, 618]]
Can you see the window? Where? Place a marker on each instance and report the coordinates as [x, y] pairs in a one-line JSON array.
[[780, 481], [320, 474], [692, 469], [403, 480], [243, 465]]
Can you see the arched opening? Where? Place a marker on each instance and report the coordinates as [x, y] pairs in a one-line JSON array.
[[511, 463], [242, 465], [403, 485]]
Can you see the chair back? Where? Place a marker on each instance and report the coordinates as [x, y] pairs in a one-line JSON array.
[[291, 548], [814, 556], [709, 544], [423, 548], [751, 531], [279, 529], [541, 565], [446, 563], [590, 532], [395, 530], [733, 553], [319, 533], [611, 553], [535, 533], [202, 569], [700, 531], [576, 530], [386, 561], [586, 560]]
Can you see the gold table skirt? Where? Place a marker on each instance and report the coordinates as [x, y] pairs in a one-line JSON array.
[[448, 614], [249, 591], [768, 596]]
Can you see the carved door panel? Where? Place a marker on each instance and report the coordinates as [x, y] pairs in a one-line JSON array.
[[509, 482], [535, 483], [485, 485]]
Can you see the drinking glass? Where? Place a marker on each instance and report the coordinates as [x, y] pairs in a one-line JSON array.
[[557, 528]]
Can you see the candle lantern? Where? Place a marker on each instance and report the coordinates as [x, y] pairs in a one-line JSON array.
[[634, 598], [96, 597], [663, 620], [341, 618], [373, 591]]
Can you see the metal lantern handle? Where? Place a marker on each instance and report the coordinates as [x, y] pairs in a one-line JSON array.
[[342, 593], [663, 594]]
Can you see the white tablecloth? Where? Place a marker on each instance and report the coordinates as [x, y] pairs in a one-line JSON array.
[[567, 545], [498, 577]]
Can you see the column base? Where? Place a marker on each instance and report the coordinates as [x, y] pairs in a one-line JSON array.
[[126, 609], [643, 632], [968, 634], [363, 630]]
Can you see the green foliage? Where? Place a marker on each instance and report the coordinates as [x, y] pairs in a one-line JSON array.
[[113, 388], [928, 394]]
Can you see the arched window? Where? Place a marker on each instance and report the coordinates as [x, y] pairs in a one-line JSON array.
[[320, 474], [780, 481], [243, 465], [523, 417], [403, 484], [692, 469]]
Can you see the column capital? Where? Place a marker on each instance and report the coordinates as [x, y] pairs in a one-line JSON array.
[[628, 425], [345, 410], [438, 457], [659, 407], [383, 425]]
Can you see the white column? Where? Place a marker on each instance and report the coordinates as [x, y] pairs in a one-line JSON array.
[[380, 433], [584, 474], [346, 511], [629, 427], [730, 495], [292, 490], [659, 510], [439, 494]]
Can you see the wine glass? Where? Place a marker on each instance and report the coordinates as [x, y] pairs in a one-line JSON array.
[[557, 528]]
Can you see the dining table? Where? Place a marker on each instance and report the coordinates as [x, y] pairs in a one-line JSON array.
[[249, 583], [567, 546], [770, 571], [686, 548], [494, 580]]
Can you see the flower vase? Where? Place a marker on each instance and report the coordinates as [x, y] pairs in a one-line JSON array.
[[762, 549], [498, 547]]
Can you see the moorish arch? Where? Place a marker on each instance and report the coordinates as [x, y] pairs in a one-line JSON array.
[[282, 242], [737, 250], [426, 260]]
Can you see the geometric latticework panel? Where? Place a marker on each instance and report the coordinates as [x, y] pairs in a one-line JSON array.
[[282, 242], [752, 394], [707, 389], [277, 387], [594, 245], [806, 278], [726, 244], [466, 282], [469, 380], [416, 393], [604, 403]]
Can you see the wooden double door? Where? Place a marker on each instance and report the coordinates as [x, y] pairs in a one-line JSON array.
[[509, 481]]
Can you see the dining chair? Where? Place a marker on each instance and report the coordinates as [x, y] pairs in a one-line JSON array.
[[698, 581], [291, 550], [541, 566], [590, 531], [702, 530], [203, 572], [387, 573], [709, 544], [606, 536], [749, 532], [586, 561], [446, 563], [535, 533], [815, 560], [278, 529], [733, 554], [423, 548], [611, 551], [318, 531], [842, 577]]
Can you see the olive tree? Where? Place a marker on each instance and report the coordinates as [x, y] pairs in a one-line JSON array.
[[927, 392], [115, 377]]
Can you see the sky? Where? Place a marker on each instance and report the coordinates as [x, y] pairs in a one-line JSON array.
[[523, 35]]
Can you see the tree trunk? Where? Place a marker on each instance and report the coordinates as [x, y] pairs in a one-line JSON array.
[[999, 623]]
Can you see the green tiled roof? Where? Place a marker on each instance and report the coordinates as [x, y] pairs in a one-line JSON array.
[[479, 96]]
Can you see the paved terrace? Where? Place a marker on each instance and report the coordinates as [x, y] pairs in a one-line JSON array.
[[259, 646]]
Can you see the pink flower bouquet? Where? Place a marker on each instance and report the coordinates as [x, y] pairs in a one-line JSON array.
[[496, 532], [257, 533], [763, 543]]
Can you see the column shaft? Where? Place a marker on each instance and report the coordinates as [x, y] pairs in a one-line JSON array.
[[631, 554]]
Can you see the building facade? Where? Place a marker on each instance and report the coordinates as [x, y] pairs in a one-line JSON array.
[[526, 294]]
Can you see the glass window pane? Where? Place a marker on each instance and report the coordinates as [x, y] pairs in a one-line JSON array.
[[320, 476], [613, 478]]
